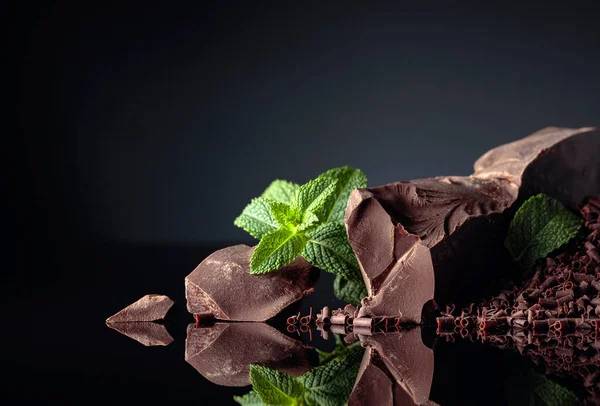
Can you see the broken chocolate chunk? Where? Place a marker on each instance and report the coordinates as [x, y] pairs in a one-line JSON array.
[[463, 220], [147, 333], [148, 308], [400, 366], [222, 287], [222, 353]]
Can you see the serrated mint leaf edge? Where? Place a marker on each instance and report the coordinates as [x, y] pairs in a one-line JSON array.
[[288, 190], [256, 268], [247, 213], [520, 220], [336, 211], [258, 370]]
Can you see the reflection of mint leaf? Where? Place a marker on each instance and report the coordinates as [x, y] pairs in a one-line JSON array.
[[349, 291], [328, 248], [541, 225], [281, 191], [340, 349], [348, 179], [276, 249], [330, 384], [525, 387], [256, 218], [275, 388], [313, 195], [551, 393], [283, 213], [249, 399]]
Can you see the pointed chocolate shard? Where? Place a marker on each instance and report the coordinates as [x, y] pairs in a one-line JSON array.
[[147, 333], [399, 365], [222, 353], [222, 287], [463, 220], [148, 308]]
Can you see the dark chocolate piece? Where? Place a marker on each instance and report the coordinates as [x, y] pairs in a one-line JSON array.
[[222, 353], [222, 287], [145, 332], [463, 220], [400, 366], [148, 308], [396, 266]]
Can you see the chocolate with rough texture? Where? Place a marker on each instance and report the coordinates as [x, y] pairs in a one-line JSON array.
[[222, 287], [400, 366], [148, 308], [222, 353], [463, 219], [147, 333]]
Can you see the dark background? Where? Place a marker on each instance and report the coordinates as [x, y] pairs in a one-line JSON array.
[[154, 123], [144, 129]]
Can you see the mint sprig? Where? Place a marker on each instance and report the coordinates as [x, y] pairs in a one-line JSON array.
[[327, 385], [349, 291], [540, 226], [307, 220]]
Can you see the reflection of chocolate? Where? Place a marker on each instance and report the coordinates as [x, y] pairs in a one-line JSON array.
[[462, 220], [148, 308], [222, 353], [397, 369], [145, 332], [223, 288]]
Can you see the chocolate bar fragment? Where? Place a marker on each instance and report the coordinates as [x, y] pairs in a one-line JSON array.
[[148, 308], [222, 353], [147, 333], [463, 221], [222, 287], [399, 366]]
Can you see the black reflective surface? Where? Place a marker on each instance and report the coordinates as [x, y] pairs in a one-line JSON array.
[[59, 350]]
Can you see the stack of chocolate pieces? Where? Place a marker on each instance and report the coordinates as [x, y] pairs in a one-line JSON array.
[[562, 297], [446, 234]]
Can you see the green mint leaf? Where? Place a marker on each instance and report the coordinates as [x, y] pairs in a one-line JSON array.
[[281, 191], [331, 384], [284, 213], [541, 225], [257, 219], [349, 291], [276, 249], [309, 219], [249, 399], [347, 179], [328, 248], [275, 388], [313, 195]]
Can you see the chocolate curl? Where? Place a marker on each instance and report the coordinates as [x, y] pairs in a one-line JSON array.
[[339, 319], [581, 277], [520, 323], [562, 293], [550, 281], [564, 299], [445, 323], [326, 315], [361, 330], [350, 338], [292, 319], [324, 333], [595, 284], [307, 319], [548, 303], [397, 321], [595, 301], [363, 322], [338, 328], [349, 310]]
